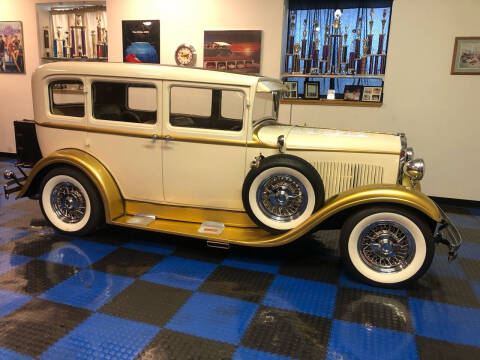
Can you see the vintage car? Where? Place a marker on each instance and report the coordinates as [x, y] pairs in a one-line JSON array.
[[200, 153]]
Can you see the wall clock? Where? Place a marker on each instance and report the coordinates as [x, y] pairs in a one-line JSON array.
[[186, 55]]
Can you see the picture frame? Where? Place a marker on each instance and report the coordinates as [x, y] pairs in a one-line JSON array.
[[372, 93], [292, 90], [12, 47], [141, 41], [237, 51], [311, 90], [353, 93], [466, 56]]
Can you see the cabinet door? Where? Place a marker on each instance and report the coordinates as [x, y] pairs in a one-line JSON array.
[[204, 145]]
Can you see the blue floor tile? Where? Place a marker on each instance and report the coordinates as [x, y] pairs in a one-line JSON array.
[[8, 214], [8, 233], [214, 317], [88, 289], [465, 221], [10, 301], [6, 354], [10, 261], [80, 253], [346, 280], [244, 353], [475, 211], [470, 250], [179, 272], [162, 249], [446, 322], [252, 264], [103, 337], [310, 297], [356, 341], [441, 267]]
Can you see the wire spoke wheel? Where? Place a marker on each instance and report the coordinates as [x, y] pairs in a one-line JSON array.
[[68, 203]]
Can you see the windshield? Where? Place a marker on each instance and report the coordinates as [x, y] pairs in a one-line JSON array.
[[265, 106]]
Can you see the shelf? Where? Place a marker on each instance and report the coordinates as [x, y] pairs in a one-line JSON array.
[[289, 75], [74, 59], [336, 102]]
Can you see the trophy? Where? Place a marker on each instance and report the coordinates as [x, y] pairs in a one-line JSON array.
[[358, 37], [291, 37], [336, 22], [67, 47], [304, 40], [296, 59], [363, 61], [57, 43], [325, 49], [345, 49], [370, 35], [93, 36], [315, 54]]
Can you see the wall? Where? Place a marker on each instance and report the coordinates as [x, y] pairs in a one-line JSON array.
[[436, 110]]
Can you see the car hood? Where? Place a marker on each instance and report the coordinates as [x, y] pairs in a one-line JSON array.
[[306, 138]]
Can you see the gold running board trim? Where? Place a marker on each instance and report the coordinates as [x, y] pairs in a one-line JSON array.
[[98, 174], [370, 194], [189, 214]]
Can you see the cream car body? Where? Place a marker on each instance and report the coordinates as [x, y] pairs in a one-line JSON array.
[[245, 172]]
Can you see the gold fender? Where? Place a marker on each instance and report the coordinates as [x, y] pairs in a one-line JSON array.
[[90, 166], [370, 194]]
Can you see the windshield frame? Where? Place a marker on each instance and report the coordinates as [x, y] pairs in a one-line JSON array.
[[276, 107]]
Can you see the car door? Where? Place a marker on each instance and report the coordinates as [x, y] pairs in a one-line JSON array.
[[204, 144], [124, 131]]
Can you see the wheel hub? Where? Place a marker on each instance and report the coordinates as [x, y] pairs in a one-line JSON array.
[[68, 202], [386, 246], [282, 197]]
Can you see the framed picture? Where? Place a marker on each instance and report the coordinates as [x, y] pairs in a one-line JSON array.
[[352, 92], [311, 90], [292, 90], [12, 50], [141, 41], [233, 50], [466, 56], [372, 93]]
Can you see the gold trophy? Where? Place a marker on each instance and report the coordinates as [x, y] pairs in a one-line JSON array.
[[291, 38], [296, 59], [384, 20], [315, 51], [336, 22], [304, 40], [370, 23]]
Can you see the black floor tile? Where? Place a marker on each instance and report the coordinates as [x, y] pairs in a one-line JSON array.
[[36, 244], [455, 209], [127, 262], [200, 251], [288, 333], [373, 309], [432, 349], [242, 284], [34, 327], [471, 235], [444, 289], [147, 302], [35, 277], [311, 266], [170, 344], [471, 268]]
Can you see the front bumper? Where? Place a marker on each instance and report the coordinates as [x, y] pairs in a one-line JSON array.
[[447, 233]]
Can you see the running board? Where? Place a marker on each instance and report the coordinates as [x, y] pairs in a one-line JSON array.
[[252, 236]]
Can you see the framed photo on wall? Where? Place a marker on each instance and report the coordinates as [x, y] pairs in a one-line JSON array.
[[233, 50], [292, 90], [466, 56], [372, 93], [311, 90], [141, 41], [12, 50], [352, 92]]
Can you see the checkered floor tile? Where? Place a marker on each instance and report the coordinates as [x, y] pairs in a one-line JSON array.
[[130, 294]]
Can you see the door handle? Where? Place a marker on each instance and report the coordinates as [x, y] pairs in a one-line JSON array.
[[155, 137], [167, 137]]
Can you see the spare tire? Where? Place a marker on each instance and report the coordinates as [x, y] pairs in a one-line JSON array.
[[282, 192]]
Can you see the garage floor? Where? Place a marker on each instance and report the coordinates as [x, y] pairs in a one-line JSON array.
[[125, 294]]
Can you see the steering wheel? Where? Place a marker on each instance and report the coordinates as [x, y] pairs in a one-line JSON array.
[[130, 116]]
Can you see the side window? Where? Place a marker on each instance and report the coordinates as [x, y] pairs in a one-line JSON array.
[[124, 102], [206, 108], [67, 98]]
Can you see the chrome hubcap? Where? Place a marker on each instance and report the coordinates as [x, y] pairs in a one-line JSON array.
[[282, 197], [68, 202], [386, 246]]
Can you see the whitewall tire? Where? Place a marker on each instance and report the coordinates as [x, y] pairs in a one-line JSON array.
[[282, 193], [387, 246], [70, 202]]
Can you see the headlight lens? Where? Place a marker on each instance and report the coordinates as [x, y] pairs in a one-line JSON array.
[[414, 169]]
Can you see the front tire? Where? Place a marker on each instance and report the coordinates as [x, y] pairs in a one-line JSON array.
[[387, 246], [70, 202]]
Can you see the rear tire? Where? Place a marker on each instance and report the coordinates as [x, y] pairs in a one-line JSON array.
[[70, 202], [387, 246]]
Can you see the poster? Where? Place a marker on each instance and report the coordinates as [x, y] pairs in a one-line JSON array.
[[141, 41], [12, 55]]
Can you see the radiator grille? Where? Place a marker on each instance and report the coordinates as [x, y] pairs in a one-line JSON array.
[[340, 176]]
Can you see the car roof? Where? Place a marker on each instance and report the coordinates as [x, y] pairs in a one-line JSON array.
[[148, 71]]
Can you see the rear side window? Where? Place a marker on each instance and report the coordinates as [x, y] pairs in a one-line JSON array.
[[67, 98], [124, 102]]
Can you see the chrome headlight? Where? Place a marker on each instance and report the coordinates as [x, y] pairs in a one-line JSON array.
[[414, 169]]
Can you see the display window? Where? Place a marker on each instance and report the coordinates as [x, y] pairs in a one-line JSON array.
[[67, 98]]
